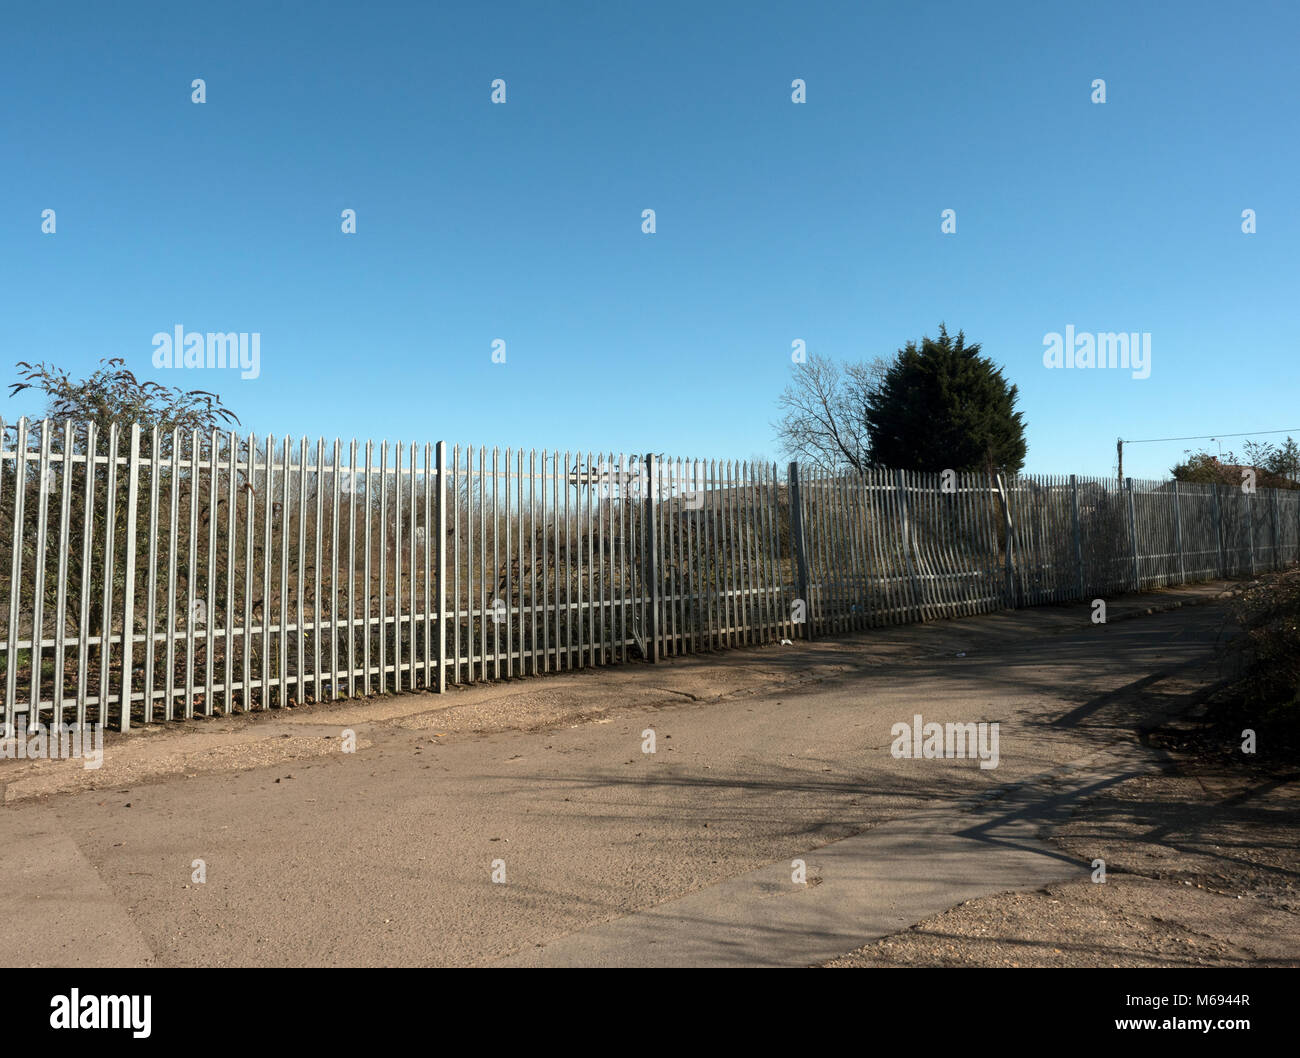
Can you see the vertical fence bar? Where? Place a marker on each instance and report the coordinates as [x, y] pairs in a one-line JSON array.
[[1250, 528], [210, 595], [232, 505], [812, 512], [588, 592], [598, 625], [300, 578], [106, 615], [753, 528], [282, 656], [352, 568], [738, 515], [1218, 527], [536, 550], [483, 566], [713, 551], [1277, 550], [925, 522], [800, 544], [758, 538], [413, 577], [571, 556], [670, 550], [383, 567], [397, 567], [61, 600], [900, 483], [453, 486], [530, 640], [366, 625], [38, 578], [318, 611], [394, 613], [532, 555], [430, 542], [726, 623], [16, 571], [1178, 533], [268, 505], [128, 578], [495, 589], [191, 575], [249, 493], [1074, 528], [1132, 534], [441, 472], [173, 546], [555, 542], [739, 548], [87, 560], [617, 554], [688, 544], [857, 550], [513, 573], [878, 534], [1010, 580], [525, 557], [776, 582], [652, 550]]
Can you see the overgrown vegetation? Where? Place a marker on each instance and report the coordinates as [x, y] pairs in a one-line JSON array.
[[110, 396], [1275, 466], [1267, 697], [114, 395]]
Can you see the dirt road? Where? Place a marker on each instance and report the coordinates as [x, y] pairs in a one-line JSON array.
[[601, 852]]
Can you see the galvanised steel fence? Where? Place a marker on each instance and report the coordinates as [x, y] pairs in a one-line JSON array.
[[149, 576]]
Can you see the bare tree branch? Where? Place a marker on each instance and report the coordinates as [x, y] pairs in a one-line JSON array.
[[824, 422]]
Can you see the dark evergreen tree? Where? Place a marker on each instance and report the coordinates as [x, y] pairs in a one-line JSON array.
[[941, 405]]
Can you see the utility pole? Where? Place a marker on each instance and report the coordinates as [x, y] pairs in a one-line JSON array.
[[1119, 449]]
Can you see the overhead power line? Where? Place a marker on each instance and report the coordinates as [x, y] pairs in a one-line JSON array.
[[1120, 442], [1212, 437]]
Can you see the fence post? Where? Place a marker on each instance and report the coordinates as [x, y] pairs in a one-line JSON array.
[[900, 483], [15, 580], [1218, 527], [1178, 532], [43, 467], [128, 580], [1005, 501], [800, 549], [1277, 549], [1132, 534], [1250, 529], [441, 472], [1078, 539], [652, 549]]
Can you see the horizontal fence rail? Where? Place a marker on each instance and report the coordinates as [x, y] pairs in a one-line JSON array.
[[148, 576]]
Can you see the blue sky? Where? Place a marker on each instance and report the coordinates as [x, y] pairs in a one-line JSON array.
[[775, 221]]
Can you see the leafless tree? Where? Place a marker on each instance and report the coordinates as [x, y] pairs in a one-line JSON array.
[[824, 412]]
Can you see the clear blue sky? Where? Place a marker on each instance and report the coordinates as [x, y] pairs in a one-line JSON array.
[[775, 221]]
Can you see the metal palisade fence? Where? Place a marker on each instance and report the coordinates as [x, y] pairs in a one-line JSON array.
[[150, 576]]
